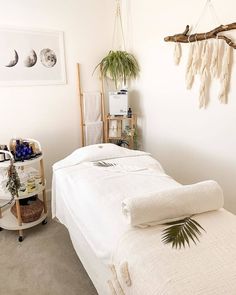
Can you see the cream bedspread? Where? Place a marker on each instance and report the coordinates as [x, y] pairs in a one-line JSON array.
[[205, 269], [93, 196]]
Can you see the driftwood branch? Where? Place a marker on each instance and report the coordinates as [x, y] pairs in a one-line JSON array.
[[185, 38]]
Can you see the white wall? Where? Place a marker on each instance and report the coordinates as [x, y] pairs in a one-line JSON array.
[[51, 113], [192, 144]]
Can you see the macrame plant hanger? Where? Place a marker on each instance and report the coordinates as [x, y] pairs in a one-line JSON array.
[[118, 29], [203, 59]]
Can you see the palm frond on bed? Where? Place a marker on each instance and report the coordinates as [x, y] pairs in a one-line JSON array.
[[103, 164], [182, 232]]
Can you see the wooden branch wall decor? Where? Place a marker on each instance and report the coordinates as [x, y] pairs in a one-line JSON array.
[[185, 38], [210, 59]]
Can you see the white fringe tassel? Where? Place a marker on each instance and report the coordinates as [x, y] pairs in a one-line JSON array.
[[204, 76], [177, 53], [214, 60], [196, 58], [189, 70], [225, 74]]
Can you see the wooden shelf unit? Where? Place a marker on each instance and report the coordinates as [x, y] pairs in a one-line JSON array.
[[7, 220], [121, 128]]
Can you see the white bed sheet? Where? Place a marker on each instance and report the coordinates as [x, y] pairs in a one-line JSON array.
[[87, 200], [98, 272], [93, 197]]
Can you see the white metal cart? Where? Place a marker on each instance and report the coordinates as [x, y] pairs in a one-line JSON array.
[[7, 220]]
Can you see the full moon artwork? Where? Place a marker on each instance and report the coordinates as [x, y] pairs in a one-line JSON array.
[[31, 59], [48, 57]]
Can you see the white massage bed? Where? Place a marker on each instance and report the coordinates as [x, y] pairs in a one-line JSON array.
[[87, 200]]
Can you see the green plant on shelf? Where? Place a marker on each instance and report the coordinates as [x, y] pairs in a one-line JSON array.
[[129, 133]]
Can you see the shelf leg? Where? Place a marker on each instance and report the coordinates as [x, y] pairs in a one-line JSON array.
[[43, 182], [45, 202], [18, 212], [21, 237]]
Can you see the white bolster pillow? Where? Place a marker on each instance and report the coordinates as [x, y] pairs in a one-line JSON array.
[[173, 204]]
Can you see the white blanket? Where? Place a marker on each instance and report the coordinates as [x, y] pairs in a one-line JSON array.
[[93, 196], [207, 268], [173, 204]]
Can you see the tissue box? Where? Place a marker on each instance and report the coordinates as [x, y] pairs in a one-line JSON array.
[[118, 103]]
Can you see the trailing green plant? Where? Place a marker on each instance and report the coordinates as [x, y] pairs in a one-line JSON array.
[[120, 66], [181, 232]]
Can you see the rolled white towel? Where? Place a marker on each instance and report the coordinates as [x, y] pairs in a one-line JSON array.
[[173, 204]]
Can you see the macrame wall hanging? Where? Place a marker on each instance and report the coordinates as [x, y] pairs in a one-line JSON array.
[[209, 57]]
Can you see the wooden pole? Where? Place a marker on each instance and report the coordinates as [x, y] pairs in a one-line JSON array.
[[103, 106], [81, 106]]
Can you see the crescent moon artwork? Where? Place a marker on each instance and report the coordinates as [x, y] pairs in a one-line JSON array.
[[14, 61], [31, 59], [48, 57]]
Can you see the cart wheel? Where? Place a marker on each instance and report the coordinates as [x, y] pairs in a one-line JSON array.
[[1, 228], [20, 239], [44, 222]]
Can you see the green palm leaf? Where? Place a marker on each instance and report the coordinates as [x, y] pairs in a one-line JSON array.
[[181, 232], [103, 164]]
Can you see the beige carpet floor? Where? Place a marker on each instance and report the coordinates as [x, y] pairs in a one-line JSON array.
[[45, 263]]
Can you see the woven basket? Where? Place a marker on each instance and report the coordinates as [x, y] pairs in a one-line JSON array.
[[31, 212]]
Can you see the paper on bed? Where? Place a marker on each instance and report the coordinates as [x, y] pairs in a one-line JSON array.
[[173, 204]]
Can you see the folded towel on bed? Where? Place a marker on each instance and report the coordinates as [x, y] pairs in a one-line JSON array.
[[173, 204]]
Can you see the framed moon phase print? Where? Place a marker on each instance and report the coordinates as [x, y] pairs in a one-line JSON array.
[[31, 57]]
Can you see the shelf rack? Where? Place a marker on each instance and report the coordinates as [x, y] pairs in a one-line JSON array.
[[7, 220], [113, 134]]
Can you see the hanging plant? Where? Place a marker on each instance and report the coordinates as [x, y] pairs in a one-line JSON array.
[[120, 66]]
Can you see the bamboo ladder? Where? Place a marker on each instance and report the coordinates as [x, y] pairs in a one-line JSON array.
[[80, 92]]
